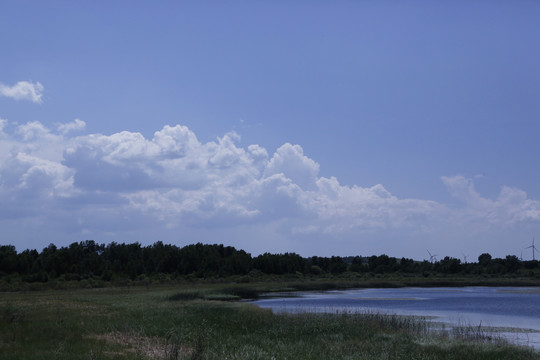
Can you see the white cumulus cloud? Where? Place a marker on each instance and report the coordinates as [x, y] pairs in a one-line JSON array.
[[3, 123], [290, 161], [123, 184], [23, 90], [512, 206], [75, 125]]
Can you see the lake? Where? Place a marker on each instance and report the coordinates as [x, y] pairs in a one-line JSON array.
[[517, 310]]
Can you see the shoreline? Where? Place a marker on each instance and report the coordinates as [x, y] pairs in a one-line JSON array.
[[519, 328]]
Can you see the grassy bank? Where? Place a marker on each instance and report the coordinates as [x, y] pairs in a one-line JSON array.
[[192, 322], [264, 281]]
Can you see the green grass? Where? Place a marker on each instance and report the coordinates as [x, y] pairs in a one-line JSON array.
[[194, 322], [295, 281]]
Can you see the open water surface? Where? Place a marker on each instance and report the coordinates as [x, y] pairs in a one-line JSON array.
[[517, 310]]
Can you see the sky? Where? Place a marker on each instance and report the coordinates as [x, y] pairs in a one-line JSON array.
[[316, 127]]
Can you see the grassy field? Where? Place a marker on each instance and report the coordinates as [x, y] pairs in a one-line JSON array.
[[197, 322]]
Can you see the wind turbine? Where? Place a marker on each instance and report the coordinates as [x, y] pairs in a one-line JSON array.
[[431, 257], [533, 248], [464, 258]]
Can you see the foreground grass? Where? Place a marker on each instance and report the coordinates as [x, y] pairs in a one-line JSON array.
[[194, 323]]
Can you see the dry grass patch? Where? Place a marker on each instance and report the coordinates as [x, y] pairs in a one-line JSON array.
[[148, 347]]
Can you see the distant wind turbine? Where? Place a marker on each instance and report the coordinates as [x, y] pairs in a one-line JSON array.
[[533, 248], [431, 257], [464, 258]]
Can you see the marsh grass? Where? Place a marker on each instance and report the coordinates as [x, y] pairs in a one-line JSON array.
[[145, 324], [475, 333], [12, 314], [228, 293]]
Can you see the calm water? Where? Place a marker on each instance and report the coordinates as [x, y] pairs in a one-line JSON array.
[[491, 307]]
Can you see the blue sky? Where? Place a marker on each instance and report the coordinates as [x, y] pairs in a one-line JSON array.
[[317, 127]]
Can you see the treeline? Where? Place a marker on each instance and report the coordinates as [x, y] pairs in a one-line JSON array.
[[90, 260]]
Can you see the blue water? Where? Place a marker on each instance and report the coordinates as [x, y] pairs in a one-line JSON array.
[[470, 306]]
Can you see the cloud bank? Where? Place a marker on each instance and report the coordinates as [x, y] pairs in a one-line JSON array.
[[125, 187], [23, 90]]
